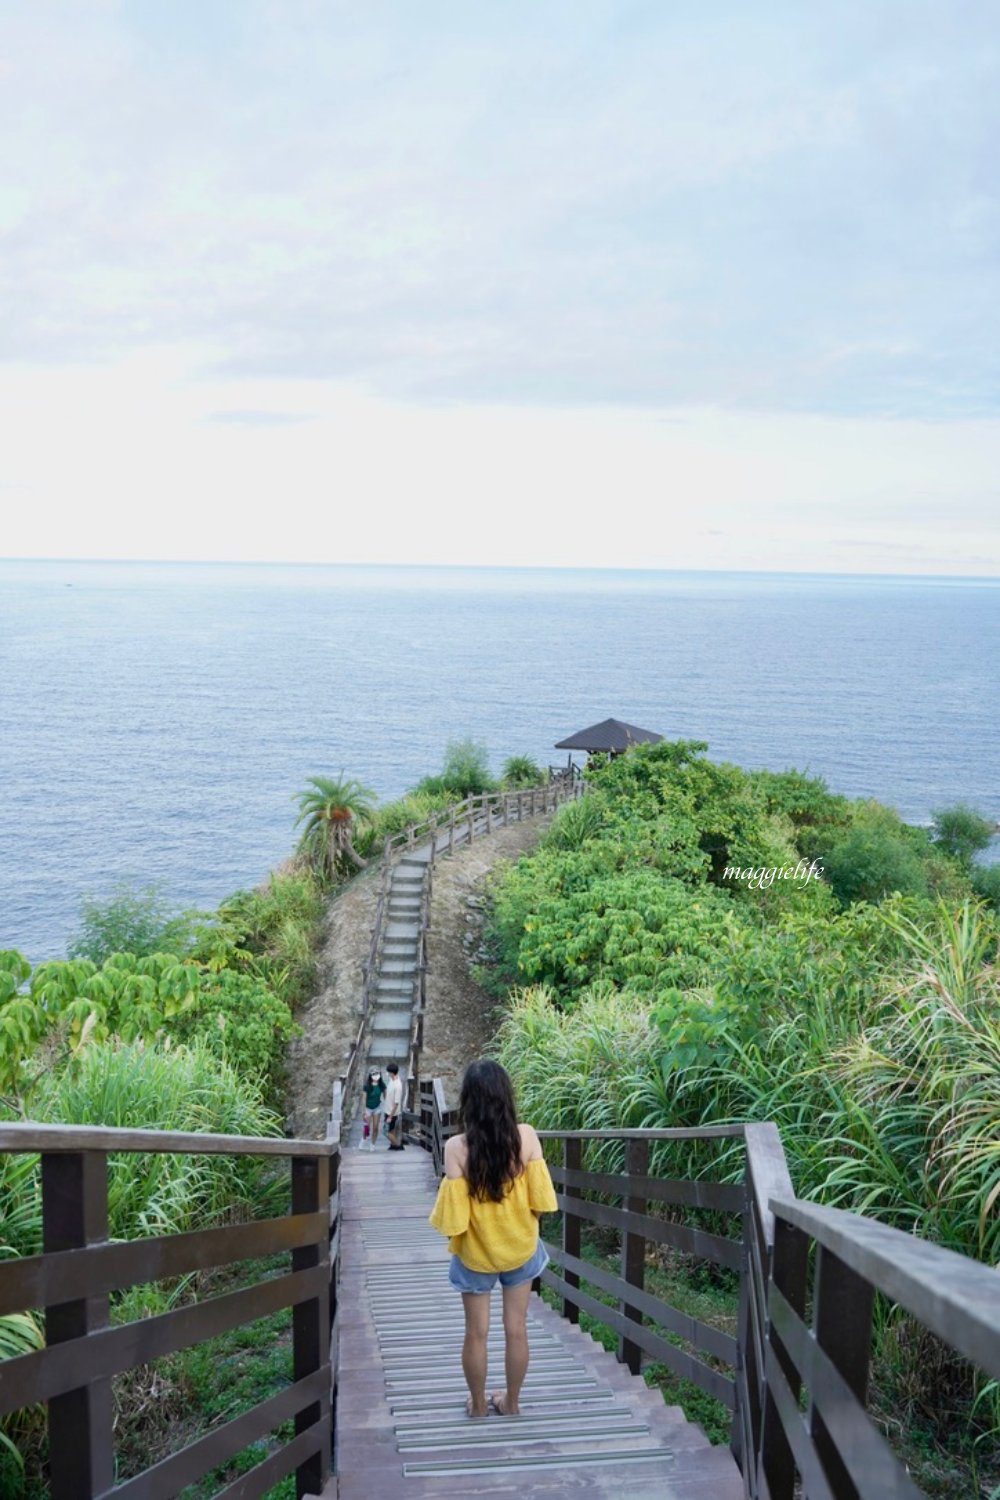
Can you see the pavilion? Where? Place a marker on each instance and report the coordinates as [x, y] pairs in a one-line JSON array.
[[610, 737]]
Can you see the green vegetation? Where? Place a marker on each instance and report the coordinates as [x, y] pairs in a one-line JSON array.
[[129, 921], [330, 807], [521, 771], [465, 773], [962, 832], [653, 984], [668, 962], [137, 1086], [180, 1021]]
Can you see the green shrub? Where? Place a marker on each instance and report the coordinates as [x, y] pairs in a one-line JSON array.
[[396, 817], [577, 823], [633, 928], [521, 771], [159, 1087], [874, 858], [270, 931], [962, 832], [129, 921], [465, 773], [238, 1018], [807, 800], [986, 884]]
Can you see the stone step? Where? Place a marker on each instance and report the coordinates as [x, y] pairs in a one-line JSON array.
[[396, 1021], [389, 1047], [405, 925]]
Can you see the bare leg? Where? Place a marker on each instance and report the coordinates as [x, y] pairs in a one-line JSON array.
[[376, 1122], [515, 1331], [477, 1327]]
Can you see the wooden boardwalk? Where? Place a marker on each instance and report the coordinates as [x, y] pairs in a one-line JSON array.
[[588, 1428]]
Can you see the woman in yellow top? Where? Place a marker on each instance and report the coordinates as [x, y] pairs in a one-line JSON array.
[[496, 1186]]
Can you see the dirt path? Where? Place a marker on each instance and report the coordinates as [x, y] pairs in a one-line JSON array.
[[329, 1020], [460, 1016]]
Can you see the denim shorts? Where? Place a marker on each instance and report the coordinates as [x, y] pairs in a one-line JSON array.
[[464, 1280]]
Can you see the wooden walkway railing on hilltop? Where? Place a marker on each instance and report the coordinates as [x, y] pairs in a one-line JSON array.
[[442, 833], [80, 1267], [790, 1256]]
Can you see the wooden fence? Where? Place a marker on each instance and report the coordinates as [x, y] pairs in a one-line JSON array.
[[79, 1268], [790, 1255]]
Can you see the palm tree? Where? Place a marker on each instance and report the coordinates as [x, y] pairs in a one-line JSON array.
[[329, 807]]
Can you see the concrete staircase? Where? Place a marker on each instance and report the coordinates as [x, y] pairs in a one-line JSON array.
[[392, 1011]]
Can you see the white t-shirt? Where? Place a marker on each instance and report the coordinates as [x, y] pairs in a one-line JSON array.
[[393, 1096]]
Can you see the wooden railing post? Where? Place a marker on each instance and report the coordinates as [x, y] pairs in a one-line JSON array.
[[842, 1323], [571, 1225], [789, 1268], [75, 1214], [634, 1251], [333, 1252], [311, 1319], [534, 794]]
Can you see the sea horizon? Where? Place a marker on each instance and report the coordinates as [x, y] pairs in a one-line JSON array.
[[533, 569], [161, 716]]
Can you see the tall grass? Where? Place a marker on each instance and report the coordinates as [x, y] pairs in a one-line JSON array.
[[152, 1088], [137, 1087], [889, 1105]]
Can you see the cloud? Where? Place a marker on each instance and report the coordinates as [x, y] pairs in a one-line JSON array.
[[762, 208], [261, 418]]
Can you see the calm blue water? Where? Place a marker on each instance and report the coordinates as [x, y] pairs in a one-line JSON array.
[[157, 719]]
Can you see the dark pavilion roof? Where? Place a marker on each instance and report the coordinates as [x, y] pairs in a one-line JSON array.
[[611, 735]]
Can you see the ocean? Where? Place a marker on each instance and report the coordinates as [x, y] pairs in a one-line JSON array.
[[158, 719]]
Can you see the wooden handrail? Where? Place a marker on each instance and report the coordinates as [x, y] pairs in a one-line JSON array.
[[32, 1136], [955, 1297], [80, 1268], [829, 1449]]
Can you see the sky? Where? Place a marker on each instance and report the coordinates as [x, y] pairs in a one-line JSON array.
[[539, 282]]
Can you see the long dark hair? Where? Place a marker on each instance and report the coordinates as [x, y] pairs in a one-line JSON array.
[[492, 1138]]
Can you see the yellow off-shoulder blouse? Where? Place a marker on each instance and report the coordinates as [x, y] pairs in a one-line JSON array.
[[488, 1236]]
